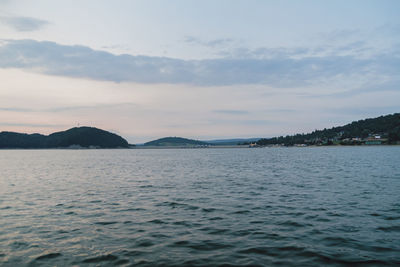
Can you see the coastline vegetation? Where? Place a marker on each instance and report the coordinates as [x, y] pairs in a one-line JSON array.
[[78, 137], [176, 142], [373, 131]]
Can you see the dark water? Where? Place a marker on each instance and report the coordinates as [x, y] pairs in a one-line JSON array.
[[205, 207]]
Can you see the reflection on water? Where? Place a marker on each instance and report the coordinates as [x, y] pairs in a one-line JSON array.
[[272, 206]]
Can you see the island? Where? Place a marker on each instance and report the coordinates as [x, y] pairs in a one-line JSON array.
[[176, 142], [78, 137]]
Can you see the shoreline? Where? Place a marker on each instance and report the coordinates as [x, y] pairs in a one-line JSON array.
[[209, 147]]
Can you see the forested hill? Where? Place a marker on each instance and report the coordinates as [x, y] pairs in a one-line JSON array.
[[175, 141], [386, 127], [75, 137]]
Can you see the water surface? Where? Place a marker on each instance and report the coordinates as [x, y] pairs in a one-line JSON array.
[[207, 207]]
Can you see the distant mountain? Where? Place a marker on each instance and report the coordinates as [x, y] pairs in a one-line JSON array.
[[231, 142], [385, 128], [75, 137], [175, 141]]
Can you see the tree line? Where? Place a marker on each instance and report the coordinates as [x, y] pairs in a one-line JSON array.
[[386, 126]]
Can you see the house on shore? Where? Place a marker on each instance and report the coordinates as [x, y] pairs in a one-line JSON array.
[[375, 140]]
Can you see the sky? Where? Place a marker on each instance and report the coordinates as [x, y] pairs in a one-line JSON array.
[[197, 69]]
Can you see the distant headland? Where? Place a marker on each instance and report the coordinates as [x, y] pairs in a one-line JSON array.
[[78, 137], [374, 131], [176, 142]]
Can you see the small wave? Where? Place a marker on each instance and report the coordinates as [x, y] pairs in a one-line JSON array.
[[337, 241], [208, 246], [272, 251], [268, 236], [381, 249], [335, 260], [62, 232], [241, 212], [296, 214], [202, 262], [143, 263], [290, 248], [208, 209], [319, 219], [157, 221], [260, 251], [174, 205], [19, 245], [292, 224], [132, 209], [218, 231], [133, 253], [184, 223], [394, 228], [318, 209], [216, 218], [181, 243], [391, 218], [257, 222], [145, 243], [105, 223], [311, 217], [242, 232], [316, 232], [48, 256], [96, 214], [326, 259], [108, 257], [335, 214], [158, 235], [70, 213], [121, 262], [394, 210], [146, 186]]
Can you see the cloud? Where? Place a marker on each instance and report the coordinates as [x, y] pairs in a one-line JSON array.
[[364, 111], [24, 24], [211, 43], [70, 108], [91, 107], [15, 109], [392, 85], [33, 125], [281, 70], [242, 122], [266, 53], [231, 112], [339, 35]]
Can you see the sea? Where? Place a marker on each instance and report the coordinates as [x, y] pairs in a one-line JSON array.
[[312, 206]]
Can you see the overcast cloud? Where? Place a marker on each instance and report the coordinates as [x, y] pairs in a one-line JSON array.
[[283, 68], [23, 24]]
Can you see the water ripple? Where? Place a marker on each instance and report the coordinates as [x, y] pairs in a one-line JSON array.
[[205, 207]]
